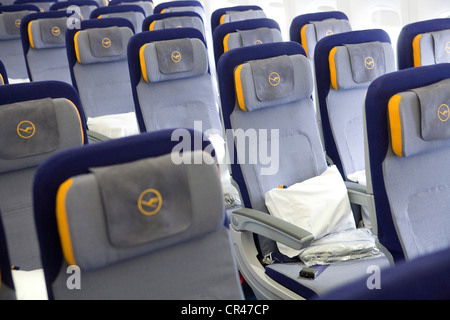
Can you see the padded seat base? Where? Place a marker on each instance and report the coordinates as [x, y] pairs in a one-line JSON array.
[[336, 275]]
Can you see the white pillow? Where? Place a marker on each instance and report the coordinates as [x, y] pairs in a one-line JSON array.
[[319, 205]]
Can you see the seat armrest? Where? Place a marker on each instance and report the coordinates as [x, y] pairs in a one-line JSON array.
[[357, 193], [94, 137], [270, 227]]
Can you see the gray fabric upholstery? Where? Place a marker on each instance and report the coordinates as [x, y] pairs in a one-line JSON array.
[[273, 79], [252, 37], [232, 16], [178, 22], [151, 199], [103, 83], [152, 56], [434, 124], [16, 180], [136, 18], [47, 57], [102, 44], [367, 60], [296, 89], [28, 128], [312, 35], [196, 9], [441, 46], [300, 149], [329, 27], [176, 100], [92, 242], [11, 53], [175, 56], [345, 107], [412, 140], [345, 68]]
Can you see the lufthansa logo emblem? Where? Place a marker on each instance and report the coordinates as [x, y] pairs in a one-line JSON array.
[[444, 113], [17, 23], [257, 42], [447, 47], [329, 33], [176, 56], [369, 63], [149, 202], [56, 31], [274, 79], [106, 43], [26, 129]]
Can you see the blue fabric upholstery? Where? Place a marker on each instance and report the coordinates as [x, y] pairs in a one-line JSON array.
[[409, 32], [377, 99], [222, 30]]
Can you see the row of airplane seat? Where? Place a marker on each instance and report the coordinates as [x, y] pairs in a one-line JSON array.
[[88, 176]]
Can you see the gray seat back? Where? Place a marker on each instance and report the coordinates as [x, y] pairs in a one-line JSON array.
[[176, 89], [31, 131], [46, 55], [416, 184], [101, 70], [431, 48]]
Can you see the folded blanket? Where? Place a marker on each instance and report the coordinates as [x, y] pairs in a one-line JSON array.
[[338, 247]]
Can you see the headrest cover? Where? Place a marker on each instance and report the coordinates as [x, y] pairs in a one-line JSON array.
[[256, 36], [102, 44], [177, 22], [420, 119], [136, 18], [274, 81], [11, 24], [124, 211], [232, 16], [47, 33], [173, 59], [356, 65], [244, 38], [28, 128], [431, 48], [31, 131], [329, 27]]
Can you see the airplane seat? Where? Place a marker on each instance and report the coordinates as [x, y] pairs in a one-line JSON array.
[[236, 13], [185, 19], [97, 54], [244, 33], [424, 43], [12, 52], [173, 88], [171, 244], [82, 11], [133, 13], [309, 29], [44, 46], [170, 79], [266, 95], [43, 5], [345, 65], [410, 280], [38, 120], [7, 288], [147, 5], [408, 145]]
